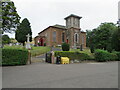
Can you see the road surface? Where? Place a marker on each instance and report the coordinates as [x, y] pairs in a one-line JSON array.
[[44, 75]]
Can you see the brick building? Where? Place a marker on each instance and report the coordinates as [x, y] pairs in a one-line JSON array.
[[58, 34]]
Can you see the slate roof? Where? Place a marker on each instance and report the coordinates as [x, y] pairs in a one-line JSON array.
[[72, 15], [83, 31], [55, 26], [59, 26]]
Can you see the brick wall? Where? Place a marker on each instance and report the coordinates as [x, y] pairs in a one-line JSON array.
[[48, 33]]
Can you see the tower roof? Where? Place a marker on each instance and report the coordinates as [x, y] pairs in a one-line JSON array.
[[72, 15]]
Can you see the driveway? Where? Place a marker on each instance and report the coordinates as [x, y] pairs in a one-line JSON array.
[[44, 75]]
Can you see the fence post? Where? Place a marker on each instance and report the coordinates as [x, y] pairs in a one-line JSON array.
[[46, 58], [52, 57], [29, 57]]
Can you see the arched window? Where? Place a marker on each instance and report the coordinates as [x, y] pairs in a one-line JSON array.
[[76, 38]]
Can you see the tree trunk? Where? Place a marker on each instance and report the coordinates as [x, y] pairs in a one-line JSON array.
[[23, 43]]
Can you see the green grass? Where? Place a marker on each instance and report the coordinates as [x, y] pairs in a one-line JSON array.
[[13, 47], [86, 50], [35, 50], [39, 50]]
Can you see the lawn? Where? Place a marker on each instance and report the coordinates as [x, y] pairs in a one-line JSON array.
[[13, 47], [39, 50], [35, 50], [86, 50]]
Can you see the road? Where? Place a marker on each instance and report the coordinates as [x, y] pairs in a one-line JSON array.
[[44, 75]]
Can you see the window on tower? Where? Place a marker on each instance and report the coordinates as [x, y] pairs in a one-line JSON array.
[[76, 22], [68, 23]]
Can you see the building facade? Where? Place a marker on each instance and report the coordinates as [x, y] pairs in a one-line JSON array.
[[58, 34]]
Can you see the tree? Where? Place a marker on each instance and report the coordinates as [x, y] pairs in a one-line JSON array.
[[101, 36], [5, 39], [116, 40], [92, 48], [23, 30], [88, 37], [10, 17]]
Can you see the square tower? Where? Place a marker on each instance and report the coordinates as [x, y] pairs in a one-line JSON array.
[[73, 30], [73, 21]]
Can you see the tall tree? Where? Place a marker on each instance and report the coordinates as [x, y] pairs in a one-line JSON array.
[[116, 39], [88, 38], [10, 17], [23, 30], [101, 36]]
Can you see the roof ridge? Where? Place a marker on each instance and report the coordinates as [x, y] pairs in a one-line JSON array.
[[59, 25]]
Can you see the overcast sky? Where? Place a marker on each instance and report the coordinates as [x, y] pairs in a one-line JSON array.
[[44, 13]]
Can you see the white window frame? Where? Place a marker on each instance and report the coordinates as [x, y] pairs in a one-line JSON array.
[[76, 41]]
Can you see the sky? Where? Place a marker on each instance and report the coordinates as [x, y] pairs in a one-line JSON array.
[[44, 13]]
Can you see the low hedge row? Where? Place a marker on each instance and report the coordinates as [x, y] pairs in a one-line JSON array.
[[103, 56], [118, 55], [14, 57], [100, 55], [73, 55]]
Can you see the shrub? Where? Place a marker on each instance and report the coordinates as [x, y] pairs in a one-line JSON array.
[[73, 55], [44, 44], [118, 54], [113, 57], [109, 48], [99, 55], [38, 44], [65, 47], [14, 57], [103, 56]]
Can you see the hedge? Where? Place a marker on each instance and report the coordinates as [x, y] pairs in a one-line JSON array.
[[14, 57], [103, 56], [65, 47], [73, 55], [118, 55]]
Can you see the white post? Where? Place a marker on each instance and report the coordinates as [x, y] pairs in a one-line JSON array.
[[28, 47], [28, 40]]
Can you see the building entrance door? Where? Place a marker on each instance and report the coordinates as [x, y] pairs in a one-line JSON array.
[[41, 42]]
